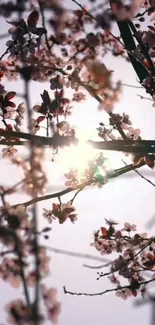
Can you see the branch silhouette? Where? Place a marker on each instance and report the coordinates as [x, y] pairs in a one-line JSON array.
[[116, 173], [66, 291]]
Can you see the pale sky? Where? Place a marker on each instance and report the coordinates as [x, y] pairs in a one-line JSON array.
[[127, 198]]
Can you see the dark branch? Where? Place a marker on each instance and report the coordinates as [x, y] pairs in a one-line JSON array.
[[105, 291]]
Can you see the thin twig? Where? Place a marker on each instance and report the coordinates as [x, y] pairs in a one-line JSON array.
[[143, 97], [105, 291], [54, 195], [7, 51], [137, 172], [131, 86], [4, 35], [78, 255], [72, 200], [97, 266]]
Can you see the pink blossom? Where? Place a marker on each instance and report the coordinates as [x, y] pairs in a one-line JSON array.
[[113, 279], [48, 214], [44, 261], [126, 12], [8, 152], [129, 227], [34, 126], [52, 305], [123, 293], [78, 97], [31, 279], [17, 310], [54, 311]]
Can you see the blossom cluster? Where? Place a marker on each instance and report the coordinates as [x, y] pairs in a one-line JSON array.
[[62, 212], [26, 36], [95, 173], [9, 111], [134, 257]]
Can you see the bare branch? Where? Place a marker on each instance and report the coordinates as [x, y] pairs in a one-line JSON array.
[[105, 291], [97, 267], [78, 255], [143, 177]]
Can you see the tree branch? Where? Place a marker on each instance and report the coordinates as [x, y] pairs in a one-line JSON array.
[[143, 177], [54, 195], [78, 255], [132, 146], [105, 291], [116, 173], [37, 140]]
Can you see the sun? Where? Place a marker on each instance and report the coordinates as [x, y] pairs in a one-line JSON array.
[[77, 156]]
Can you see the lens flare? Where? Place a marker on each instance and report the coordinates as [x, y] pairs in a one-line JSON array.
[[77, 157]]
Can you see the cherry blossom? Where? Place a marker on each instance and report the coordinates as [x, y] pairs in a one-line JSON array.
[[17, 311], [8, 152], [62, 212], [51, 303], [123, 293], [48, 214], [66, 52], [128, 227]]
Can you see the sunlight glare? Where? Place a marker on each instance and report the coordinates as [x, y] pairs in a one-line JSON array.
[[78, 157]]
